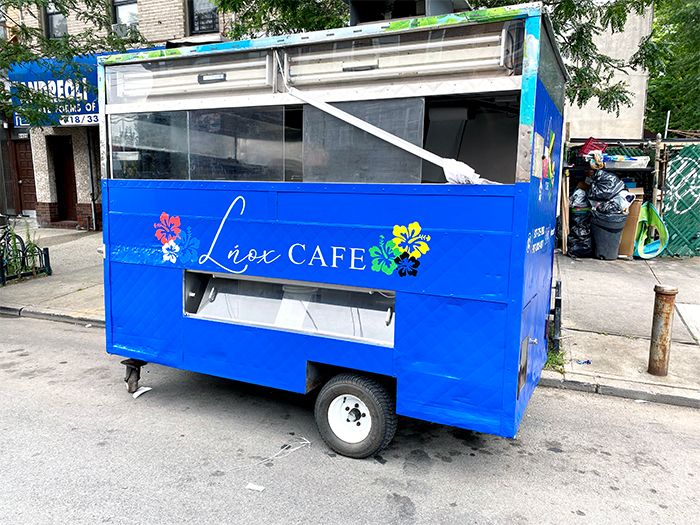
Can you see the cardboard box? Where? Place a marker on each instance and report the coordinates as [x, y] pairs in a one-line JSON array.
[[638, 192], [629, 232]]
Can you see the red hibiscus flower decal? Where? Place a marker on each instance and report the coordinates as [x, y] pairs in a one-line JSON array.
[[168, 229]]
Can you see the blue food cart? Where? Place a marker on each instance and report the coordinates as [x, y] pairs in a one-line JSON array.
[[279, 211]]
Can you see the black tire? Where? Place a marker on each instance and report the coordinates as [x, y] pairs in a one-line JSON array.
[[23, 248], [379, 404]]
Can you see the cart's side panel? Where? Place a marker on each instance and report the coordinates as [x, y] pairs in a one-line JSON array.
[[515, 310], [535, 219], [146, 314], [542, 206], [277, 231], [450, 357], [270, 357], [546, 168], [450, 306], [519, 238]]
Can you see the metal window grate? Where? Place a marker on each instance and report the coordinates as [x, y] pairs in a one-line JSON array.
[[204, 18]]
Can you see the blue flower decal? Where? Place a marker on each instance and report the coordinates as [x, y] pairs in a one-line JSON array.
[[188, 246]]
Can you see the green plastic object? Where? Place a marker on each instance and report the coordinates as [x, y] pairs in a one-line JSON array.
[[648, 218]]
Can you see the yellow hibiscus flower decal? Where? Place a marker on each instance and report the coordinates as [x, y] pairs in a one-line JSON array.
[[410, 240]]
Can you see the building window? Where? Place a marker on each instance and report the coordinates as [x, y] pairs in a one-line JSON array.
[[203, 17], [56, 22], [126, 12]]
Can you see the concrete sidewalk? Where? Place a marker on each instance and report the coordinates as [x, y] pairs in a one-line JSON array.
[[606, 315], [74, 292], [607, 309]]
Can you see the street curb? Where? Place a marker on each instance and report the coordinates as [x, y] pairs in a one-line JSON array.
[[594, 385], [10, 310], [28, 312], [645, 337], [60, 317], [621, 388]]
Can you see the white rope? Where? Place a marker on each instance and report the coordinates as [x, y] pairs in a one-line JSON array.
[[285, 451]]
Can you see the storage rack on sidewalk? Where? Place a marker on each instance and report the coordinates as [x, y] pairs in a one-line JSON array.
[[578, 169], [671, 187]]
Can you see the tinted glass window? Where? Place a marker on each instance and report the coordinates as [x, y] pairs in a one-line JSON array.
[[150, 146], [237, 144]]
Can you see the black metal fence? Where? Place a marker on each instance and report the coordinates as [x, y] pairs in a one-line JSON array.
[[30, 262]]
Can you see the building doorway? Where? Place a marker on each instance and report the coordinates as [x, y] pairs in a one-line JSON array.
[[61, 149], [23, 168]]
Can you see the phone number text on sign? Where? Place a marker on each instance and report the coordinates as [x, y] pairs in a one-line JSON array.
[[80, 119]]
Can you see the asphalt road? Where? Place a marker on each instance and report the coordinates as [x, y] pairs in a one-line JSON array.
[[76, 448]]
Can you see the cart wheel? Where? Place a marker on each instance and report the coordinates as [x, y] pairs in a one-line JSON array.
[[132, 380], [355, 415]]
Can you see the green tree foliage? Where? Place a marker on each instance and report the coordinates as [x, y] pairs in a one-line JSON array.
[[575, 22], [675, 85], [27, 42], [256, 18]]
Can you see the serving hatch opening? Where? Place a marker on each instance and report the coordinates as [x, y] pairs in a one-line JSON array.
[[343, 312]]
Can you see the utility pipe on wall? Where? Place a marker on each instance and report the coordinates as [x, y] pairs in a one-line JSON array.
[[92, 182]]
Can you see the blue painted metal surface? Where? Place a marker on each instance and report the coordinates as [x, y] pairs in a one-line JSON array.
[[541, 230], [481, 287], [454, 307]]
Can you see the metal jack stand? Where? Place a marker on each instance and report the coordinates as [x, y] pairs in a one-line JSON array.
[[556, 311], [133, 374]]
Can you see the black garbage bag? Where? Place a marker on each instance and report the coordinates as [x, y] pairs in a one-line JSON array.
[[609, 207], [580, 240], [604, 186]]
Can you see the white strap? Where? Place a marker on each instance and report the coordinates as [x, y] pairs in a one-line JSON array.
[[369, 128], [456, 172]]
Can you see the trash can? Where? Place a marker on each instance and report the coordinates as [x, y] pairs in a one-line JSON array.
[[607, 231]]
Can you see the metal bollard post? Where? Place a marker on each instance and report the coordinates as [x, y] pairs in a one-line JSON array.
[[661, 329]]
